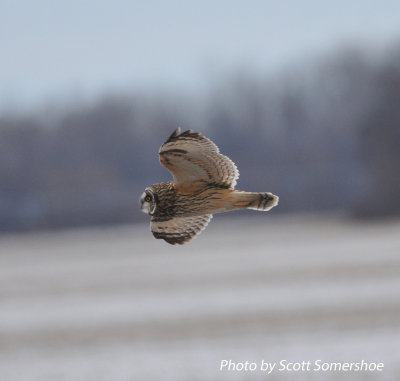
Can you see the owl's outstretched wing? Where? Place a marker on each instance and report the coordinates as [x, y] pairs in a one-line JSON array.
[[179, 230], [191, 157]]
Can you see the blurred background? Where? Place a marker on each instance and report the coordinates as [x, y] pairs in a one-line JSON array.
[[303, 97]]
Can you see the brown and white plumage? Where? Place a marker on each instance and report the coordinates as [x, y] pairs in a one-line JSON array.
[[204, 182], [180, 229], [191, 157]]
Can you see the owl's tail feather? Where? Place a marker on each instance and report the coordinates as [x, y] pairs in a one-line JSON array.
[[257, 201]]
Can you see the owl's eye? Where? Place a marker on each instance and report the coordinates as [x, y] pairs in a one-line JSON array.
[[147, 198]]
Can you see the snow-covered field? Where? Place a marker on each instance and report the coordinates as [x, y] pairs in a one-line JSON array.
[[114, 304]]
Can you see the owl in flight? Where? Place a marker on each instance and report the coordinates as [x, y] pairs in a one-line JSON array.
[[204, 184]]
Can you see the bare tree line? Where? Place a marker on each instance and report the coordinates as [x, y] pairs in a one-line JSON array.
[[324, 137]]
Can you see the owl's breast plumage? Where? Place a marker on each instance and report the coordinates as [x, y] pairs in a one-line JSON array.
[[174, 201], [165, 199]]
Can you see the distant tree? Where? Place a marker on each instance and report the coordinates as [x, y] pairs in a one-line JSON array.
[[380, 145]]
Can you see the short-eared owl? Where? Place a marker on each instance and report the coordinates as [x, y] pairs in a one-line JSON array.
[[204, 182]]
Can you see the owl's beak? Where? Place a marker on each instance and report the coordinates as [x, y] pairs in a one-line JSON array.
[[143, 204], [146, 207]]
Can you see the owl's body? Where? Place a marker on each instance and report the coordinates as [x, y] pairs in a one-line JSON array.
[[204, 182], [176, 201]]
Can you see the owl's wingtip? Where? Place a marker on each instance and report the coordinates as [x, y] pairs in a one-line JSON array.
[[177, 131]]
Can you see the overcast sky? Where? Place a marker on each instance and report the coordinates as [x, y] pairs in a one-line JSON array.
[[55, 48]]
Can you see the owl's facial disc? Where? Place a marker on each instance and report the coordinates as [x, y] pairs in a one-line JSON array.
[[147, 202]]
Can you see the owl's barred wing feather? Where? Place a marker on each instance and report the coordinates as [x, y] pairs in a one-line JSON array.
[[191, 157], [179, 230]]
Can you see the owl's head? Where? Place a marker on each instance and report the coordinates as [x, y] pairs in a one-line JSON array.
[[148, 202]]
